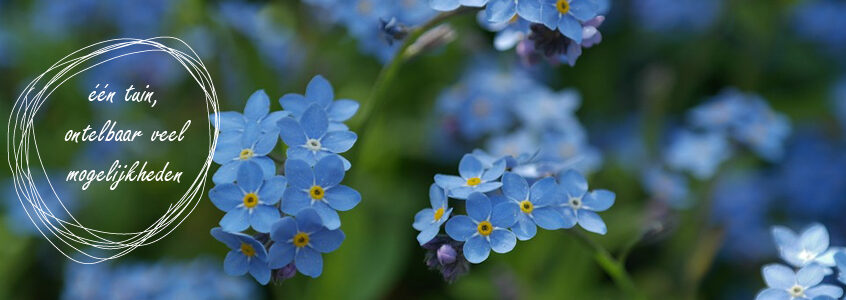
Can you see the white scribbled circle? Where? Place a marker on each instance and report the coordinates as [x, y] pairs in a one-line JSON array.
[[91, 246]]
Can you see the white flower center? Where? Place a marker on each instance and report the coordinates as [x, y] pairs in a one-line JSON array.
[[576, 203], [806, 256], [313, 145], [797, 291]]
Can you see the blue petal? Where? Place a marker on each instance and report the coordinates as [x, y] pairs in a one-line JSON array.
[[477, 249], [258, 105], [229, 121], [427, 234], [590, 221], [571, 28], [329, 171], [309, 262], [437, 197], [470, 167], [314, 121], [263, 217], [227, 172], [226, 152], [309, 221], [338, 141], [302, 154], [495, 171], [568, 215], [582, 10], [294, 103], [784, 237], [226, 196], [515, 187], [461, 193], [250, 177], [299, 174], [328, 216], [499, 11], [573, 183], [529, 10], [325, 241], [283, 230], [271, 190], [548, 218], [525, 228], [810, 275], [227, 238], [828, 290], [444, 5], [342, 198], [449, 182], [320, 91], [235, 263], [773, 294], [235, 220], [543, 192], [478, 207], [281, 254], [291, 132], [460, 228], [423, 219], [488, 187], [502, 240], [548, 14], [293, 201], [599, 200], [505, 214], [342, 110], [778, 276], [815, 239], [266, 142], [259, 271], [268, 167]]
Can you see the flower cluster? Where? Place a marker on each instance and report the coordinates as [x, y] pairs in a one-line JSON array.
[[502, 207], [809, 252], [295, 216], [517, 116], [555, 30]]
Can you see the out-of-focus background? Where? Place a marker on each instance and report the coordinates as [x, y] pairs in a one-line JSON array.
[[658, 59]]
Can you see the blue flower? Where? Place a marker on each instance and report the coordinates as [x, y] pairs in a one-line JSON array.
[[671, 188], [302, 240], [310, 140], [319, 91], [474, 177], [676, 15], [246, 255], [484, 228], [537, 205], [447, 5], [578, 206], [763, 130], [318, 188], [809, 247], [784, 284], [251, 201], [840, 261], [498, 11], [699, 153], [428, 221], [565, 15]]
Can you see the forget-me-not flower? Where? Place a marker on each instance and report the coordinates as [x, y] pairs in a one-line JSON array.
[[699, 153], [784, 284], [302, 240], [536, 205], [811, 246], [565, 15], [474, 177], [310, 140], [251, 201], [484, 228], [320, 92], [578, 206], [318, 188], [246, 255], [429, 220]]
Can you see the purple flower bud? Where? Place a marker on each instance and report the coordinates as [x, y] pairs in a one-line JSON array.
[[446, 254]]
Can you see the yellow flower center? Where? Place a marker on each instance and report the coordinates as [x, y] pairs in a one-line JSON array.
[[563, 6], [439, 213], [250, 200], [316, 192], [246, 154], [526, 206], [248, 250], [301, 239], [474, 181], [485, 228], [514, 19]]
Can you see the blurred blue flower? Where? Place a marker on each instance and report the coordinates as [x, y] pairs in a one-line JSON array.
[[571, 149], [429, 220], [536, 205], [318, 188], [813, 176], [676, 15], [319, 91], [668, 187], [810, 247], [485, 228], [838, 99], [840, 262], [720, 112], [274, 42], [698, 153], [246, 255], [784, 284], [820, 21], [251, 201], [310, 140], [578, 206], [747, 233], [45, 194], [513, 144], [302, 240], [474, 177]]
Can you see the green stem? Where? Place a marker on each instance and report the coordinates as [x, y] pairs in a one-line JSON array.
[[389, 71], [613, 267]]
